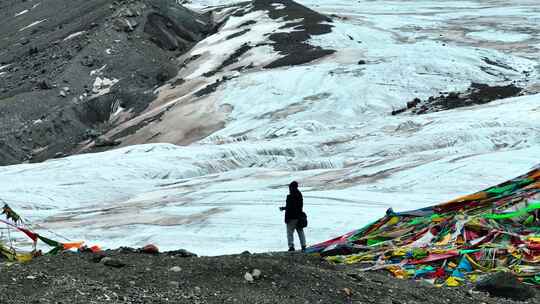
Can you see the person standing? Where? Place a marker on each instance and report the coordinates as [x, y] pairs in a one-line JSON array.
[[293, 213]]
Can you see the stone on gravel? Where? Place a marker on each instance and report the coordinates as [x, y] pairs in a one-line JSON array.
[[125, 25], [256, 273], [44, 85], [124, 249], [111, 262], [175, 269], [128, 12], [505, 285], [181, 253], [248, 277]]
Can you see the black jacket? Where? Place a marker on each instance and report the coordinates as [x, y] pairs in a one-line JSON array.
[[293, 208]]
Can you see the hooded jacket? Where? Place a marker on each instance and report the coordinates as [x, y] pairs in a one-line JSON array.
[[294, 203]]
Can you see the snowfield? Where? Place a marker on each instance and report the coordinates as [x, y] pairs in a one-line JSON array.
[[326, 124]]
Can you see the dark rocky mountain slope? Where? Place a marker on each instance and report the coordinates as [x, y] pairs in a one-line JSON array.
[[60, 58]]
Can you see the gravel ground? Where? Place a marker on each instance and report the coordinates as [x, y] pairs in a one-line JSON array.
[[171, 278]]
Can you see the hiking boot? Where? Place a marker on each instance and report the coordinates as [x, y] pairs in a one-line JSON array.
[[303, 248], [291, 248]]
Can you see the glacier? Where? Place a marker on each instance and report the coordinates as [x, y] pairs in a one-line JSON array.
[[210, 174]]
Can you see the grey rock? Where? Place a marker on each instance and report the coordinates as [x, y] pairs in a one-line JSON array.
[[106, 142], [112, 262], [175, 269], [453, 95], [88, 61], [256, 273], [125, 25], [505, 285], [92, 133], [97, 257], [128, 12], [182, 253], [44, 85]]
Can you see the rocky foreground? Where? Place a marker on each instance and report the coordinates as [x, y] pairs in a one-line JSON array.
[[127, 277]]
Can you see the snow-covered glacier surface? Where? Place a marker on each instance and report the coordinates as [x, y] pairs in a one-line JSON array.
[[326, 124]]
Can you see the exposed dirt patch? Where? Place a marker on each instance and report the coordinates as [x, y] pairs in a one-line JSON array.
[[123, 217]]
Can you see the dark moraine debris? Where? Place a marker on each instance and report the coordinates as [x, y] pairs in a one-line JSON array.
[[498, 64], [211, 87], [178, 31], [237, 34], [230, 60], [235, 56], [476, 94], [248, 23], [304, 23]]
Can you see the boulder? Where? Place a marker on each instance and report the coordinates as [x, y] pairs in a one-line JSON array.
[[181, 253], [505, 285], [150, 249], [111, 262]]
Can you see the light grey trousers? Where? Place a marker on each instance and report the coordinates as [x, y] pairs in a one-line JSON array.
[[291, 226]]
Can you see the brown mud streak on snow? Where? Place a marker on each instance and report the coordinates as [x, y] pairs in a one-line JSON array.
[[175, 116], [119, 219], [340, 179]]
